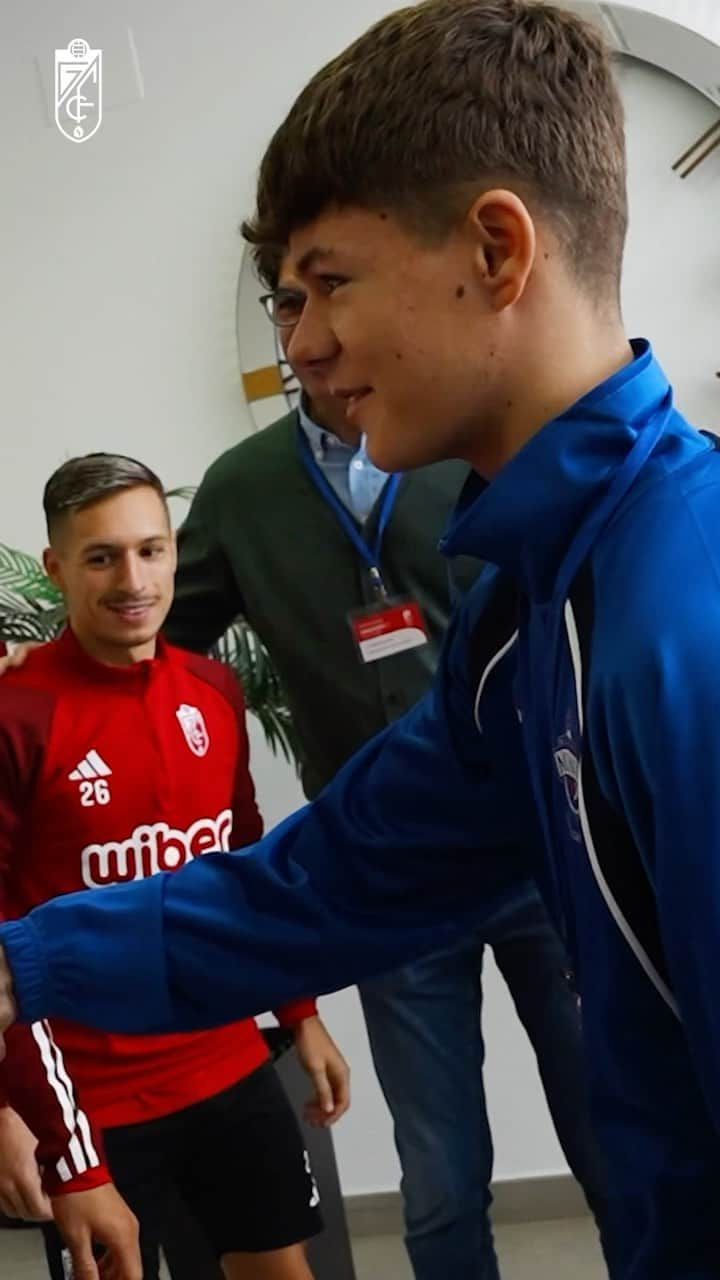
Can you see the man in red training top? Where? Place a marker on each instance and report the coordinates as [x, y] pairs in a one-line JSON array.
[[121, 756]]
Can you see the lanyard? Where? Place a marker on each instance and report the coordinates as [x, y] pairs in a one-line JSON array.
[[370, 551]]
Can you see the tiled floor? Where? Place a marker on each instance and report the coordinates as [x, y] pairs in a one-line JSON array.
[[565, 1250], [535, 1251], [21, 1256]]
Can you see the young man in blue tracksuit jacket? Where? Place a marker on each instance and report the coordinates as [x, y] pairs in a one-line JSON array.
[[577, 703]]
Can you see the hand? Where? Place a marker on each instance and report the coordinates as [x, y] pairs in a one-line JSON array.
[[21, 1193], [328, 1071], [99, 1216], [18, 655], [8, 1007]]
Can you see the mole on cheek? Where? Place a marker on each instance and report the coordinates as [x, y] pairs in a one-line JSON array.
[[398, 355], [460, 291]]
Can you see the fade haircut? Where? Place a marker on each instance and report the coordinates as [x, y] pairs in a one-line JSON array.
[[80, 482], [447, 96]]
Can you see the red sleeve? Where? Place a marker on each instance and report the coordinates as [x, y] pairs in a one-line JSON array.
[[25, 716], [36, 1084], [290, 1014], [247, 821], [33, 1077]]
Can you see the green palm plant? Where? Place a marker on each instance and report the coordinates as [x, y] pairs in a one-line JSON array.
[[243, 650], [31, 608]]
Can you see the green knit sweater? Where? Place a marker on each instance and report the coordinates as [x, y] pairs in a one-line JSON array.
[[260, 541]]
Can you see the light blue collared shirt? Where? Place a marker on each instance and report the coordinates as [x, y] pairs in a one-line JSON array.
[[357, 482]]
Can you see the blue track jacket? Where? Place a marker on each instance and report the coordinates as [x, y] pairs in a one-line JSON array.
[[576, 715]]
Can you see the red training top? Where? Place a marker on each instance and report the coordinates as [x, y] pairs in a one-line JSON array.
[[110, 774]]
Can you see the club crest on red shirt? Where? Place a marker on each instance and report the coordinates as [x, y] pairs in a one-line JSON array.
[[193, 726]]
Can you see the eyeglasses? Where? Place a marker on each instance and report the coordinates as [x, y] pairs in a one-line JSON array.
[[283, 307]]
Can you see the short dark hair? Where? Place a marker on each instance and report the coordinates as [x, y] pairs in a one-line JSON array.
[[82, 481], [443, 94], [268, 261]]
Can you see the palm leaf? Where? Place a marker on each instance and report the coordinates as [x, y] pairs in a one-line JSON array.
[[25, 575], [241, 649], [31, 608], [19, 627], [14, 601], [184, 491]]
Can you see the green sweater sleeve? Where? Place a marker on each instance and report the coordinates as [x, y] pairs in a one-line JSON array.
[[207, 596]]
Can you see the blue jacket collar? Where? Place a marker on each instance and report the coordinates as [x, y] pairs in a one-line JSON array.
[[524, 520]]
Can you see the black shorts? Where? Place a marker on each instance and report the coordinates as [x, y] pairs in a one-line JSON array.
[[236, 1162]]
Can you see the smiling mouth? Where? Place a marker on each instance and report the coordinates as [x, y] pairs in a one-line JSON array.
[[132, 612]]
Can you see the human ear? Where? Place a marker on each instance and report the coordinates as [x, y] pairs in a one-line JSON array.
[[505, 245]]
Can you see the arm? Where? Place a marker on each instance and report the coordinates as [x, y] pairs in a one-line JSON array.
[[42, 1125], [83, 1216], [207, 598], [8, 661], [21, 1193], [328, 1071], [33, 1078], [247, 820], [411, 844], [38, 1087]]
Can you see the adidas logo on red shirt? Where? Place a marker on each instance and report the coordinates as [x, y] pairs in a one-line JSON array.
[[91, 766]]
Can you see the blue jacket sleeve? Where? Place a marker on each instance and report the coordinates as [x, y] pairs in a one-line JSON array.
[[409, 845]]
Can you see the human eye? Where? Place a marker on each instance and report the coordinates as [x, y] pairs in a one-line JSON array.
[[288, 305], [331, 283]]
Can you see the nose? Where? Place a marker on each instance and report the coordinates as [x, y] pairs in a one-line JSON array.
[[311, 343], [130, 574]]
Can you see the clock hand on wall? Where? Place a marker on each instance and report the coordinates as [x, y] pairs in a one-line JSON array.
[[708, 142]]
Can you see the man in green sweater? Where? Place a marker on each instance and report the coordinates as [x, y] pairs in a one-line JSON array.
[[332, 561]]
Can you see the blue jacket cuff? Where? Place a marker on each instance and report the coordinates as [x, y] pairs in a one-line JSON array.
[[23, 949]]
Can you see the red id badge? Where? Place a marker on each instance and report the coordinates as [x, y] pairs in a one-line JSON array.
[[389, 627]]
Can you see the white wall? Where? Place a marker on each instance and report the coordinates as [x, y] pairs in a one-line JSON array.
[[119, 260], [698, 15]]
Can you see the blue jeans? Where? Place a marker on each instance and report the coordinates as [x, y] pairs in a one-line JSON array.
[[427, 1046]]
